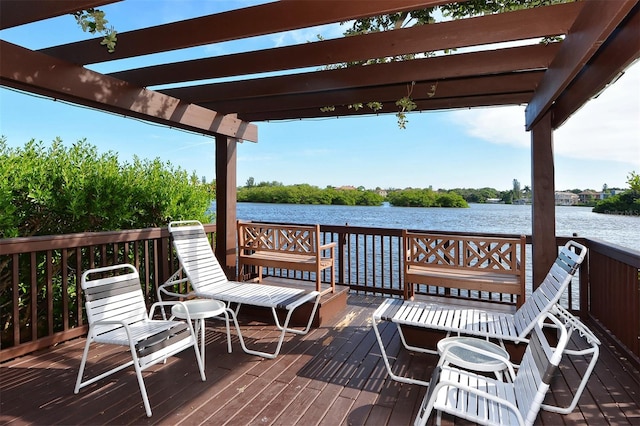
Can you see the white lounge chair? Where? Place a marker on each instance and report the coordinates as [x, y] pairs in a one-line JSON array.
[[117, 315], [208, 280], [489, 401], [573, 324], [474, 321]]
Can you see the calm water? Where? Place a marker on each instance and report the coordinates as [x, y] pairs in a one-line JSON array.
[[498, 218]]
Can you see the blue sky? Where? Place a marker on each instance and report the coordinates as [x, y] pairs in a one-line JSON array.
[[475, 148]]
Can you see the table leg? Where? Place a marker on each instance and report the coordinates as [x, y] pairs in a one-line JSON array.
[[226, 318], [201, 327]]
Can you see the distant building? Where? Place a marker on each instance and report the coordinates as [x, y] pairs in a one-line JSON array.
[[346, 188], [587, 197], [381, 192], [566, 199]]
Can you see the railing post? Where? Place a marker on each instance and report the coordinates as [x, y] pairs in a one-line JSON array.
[[342, 241], [585, 282], [164, 260]]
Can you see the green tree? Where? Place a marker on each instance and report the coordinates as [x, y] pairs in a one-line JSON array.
[[425, 198], [628, 202], [307, 194], [633, 180], [507, 197], [517, 193], [58, 190]]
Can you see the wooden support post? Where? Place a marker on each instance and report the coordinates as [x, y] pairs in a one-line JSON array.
[[543, 217], [226, 157]]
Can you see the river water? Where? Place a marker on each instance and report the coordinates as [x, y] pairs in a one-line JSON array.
[[490, 218]]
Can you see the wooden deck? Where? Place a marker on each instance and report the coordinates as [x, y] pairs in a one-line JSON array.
[[332, 376]]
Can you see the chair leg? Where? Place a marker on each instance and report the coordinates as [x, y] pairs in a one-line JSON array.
[[387, 364], [83, 363], [226, 320], [138, 369], [79, 383], [284, 328]]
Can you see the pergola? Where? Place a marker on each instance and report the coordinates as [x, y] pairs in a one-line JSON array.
[[601, 39]]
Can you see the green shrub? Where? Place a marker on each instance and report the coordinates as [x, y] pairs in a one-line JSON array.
[[59, 190]]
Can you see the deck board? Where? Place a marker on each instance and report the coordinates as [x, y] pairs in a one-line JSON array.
[[333, 375]]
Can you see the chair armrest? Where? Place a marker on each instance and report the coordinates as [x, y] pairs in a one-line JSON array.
[[163, 289], [170, 303], [328, 246]]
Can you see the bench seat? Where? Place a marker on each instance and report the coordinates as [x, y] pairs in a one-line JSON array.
[[286, 261], [467, 279]]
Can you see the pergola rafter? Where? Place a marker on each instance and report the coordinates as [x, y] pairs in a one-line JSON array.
[[523, 83], [237, 24], [501, 61], [411, 40]]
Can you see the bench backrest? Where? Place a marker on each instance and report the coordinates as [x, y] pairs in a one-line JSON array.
[[298, 239], [497, 254], [113, 293]]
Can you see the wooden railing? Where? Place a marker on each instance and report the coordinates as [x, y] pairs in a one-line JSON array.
[[40, 298], [41, 304], [614, 299]]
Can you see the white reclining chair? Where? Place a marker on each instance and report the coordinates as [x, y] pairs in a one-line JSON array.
[[489, 401], [471, 321], [208, 280], [117, 315]]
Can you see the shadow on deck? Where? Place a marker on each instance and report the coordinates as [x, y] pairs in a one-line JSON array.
[[334, 375]]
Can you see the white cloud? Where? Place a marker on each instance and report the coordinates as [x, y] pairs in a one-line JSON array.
[[606, 128], [500, 125]]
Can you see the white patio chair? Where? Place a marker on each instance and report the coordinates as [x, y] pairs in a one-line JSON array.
[[117, 315], [473, 321], [208, 280], [489, 401]]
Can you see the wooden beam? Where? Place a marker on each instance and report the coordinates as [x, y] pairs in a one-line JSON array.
[[543, 217], [35, 72], [232, 25], [19, 12], [597, 20], [620, 50], [502, 27], [424, 105], [442, 67], [521, 82]]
